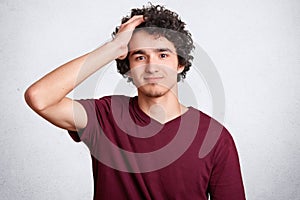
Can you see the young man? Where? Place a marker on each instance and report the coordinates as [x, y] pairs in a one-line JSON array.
[[143, 147]]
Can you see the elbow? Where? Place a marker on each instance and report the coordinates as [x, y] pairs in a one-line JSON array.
[[34, 99]]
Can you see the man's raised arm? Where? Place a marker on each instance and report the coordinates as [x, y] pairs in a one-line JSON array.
[[47, 96]]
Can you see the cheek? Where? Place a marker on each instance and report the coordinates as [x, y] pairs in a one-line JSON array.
[[171, 68], [136, 71], [170, 76], [131, 63], [172, 63]]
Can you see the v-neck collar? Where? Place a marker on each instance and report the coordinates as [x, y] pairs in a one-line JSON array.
[[147, 119]]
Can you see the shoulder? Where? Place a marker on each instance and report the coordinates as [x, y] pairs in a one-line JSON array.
[[217, 136], [115, 101], [106, 100], [208, 122], [103, 104], [114, 98]]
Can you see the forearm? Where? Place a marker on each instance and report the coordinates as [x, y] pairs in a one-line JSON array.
[[54, 86]]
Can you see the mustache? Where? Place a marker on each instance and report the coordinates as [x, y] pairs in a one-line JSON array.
[[156, 69], [156, 76]]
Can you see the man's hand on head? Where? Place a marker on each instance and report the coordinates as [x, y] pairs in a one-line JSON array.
[[125, 32]]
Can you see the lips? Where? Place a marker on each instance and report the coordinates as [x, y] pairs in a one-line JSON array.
[[153, 78]]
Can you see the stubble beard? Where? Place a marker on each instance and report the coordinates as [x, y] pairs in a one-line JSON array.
[[151, 91]]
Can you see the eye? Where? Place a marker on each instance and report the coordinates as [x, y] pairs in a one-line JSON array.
[[140, 58], [163, 55]]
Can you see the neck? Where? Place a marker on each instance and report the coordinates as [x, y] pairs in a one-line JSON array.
[[163, 108]]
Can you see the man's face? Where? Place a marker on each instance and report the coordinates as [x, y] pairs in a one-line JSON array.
[[153, 64]]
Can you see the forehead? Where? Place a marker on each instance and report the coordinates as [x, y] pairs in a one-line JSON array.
[[143, 40]]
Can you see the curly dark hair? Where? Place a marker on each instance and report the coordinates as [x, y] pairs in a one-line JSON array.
[[162, 22]]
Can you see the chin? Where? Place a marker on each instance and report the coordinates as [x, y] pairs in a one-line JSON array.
[[153, 92]]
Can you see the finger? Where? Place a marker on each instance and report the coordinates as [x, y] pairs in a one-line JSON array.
[[122, 57], [133, 22], [135, 17]]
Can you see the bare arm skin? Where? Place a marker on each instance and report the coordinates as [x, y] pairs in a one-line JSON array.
[[47, 96]]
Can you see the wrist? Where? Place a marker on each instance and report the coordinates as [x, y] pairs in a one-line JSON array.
[[120, 48]]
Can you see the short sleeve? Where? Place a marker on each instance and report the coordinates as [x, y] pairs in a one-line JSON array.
[[96, 110], [226, 179]]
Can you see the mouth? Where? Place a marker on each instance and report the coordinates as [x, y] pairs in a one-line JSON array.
[[153, 79]]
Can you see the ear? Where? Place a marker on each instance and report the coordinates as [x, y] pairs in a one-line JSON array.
[[180, 69], [129, 74]]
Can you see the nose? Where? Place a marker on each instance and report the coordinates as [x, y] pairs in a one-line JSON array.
[[151, 68], [152, 65]]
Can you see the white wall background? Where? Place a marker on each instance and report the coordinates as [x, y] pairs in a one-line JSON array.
[[253, 44]]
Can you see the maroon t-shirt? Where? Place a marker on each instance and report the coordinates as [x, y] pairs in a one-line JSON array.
[[136, 157]]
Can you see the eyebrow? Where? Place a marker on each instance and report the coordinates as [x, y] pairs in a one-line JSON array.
[[141, 51]]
